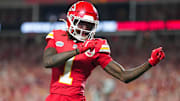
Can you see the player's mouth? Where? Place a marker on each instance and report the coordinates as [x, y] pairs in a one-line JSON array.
[[82, 33], [85, 33]]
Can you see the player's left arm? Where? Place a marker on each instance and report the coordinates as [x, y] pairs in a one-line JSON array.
[[128, 75]]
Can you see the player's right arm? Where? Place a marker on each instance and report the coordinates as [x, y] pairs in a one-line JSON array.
[[53, 59]]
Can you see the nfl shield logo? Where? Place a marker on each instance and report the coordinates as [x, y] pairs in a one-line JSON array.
[[74, 46]]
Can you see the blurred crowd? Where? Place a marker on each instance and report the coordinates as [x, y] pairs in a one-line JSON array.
[[23, 77], [11, 18]]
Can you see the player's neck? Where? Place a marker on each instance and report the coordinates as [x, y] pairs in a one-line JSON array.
[[72, 38]]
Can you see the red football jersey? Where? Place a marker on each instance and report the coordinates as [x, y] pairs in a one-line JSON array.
[[69, 79]]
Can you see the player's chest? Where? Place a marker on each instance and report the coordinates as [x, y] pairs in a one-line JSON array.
[[64, 45]]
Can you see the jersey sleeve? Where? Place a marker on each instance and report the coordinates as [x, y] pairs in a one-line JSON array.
[[104, 47], [50, 40], [50, 36], [103, 54], [103, 60]]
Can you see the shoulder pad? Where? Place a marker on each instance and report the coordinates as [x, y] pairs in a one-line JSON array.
[[103, 46], [55, 34], [50, 36]]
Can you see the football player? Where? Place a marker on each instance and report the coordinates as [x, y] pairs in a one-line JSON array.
[[74, 53]]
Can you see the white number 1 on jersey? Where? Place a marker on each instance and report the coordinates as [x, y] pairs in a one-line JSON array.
[[66, 77]]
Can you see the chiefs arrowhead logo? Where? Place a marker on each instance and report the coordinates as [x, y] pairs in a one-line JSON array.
[[73, 8]]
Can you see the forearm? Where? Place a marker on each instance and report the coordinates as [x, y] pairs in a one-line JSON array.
[[58, 59], [133, 73], [126, 75]]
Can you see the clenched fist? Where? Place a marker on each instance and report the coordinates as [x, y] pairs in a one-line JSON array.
[[156, 56], [89, 44]]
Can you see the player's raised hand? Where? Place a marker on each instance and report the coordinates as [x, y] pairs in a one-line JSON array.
[[156, 56], [89, 44]]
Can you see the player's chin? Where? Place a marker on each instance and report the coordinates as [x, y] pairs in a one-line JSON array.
[[84, 38]]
